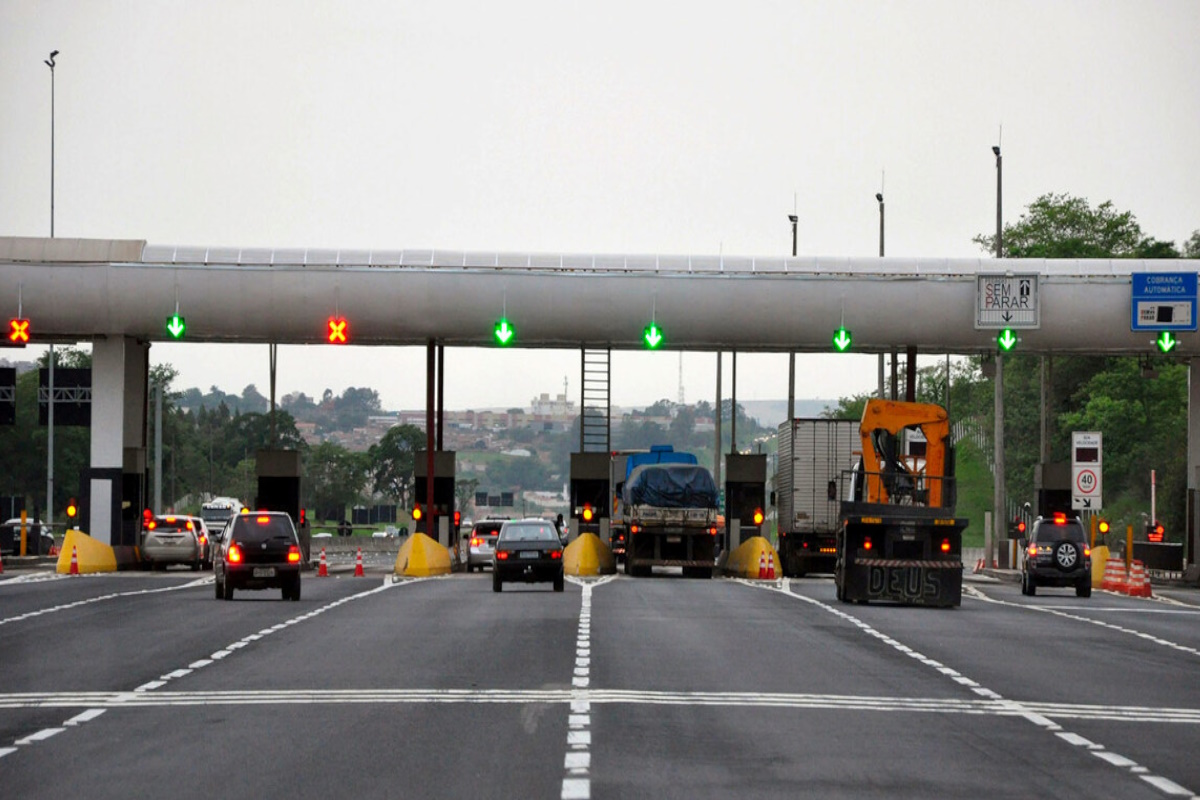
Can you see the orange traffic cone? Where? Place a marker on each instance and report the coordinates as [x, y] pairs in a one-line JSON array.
[[771, 565], [1139, 581], [762, 566], [323, 570], [53, 550], [74, 561], [358, 570]]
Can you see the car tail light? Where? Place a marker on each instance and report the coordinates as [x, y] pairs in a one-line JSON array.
[[1032, 550], [712, 531], [263, 520], [502, 555], [171, 520], [867, 545], [190, 526], [234, 556], [293, 555], [556, 554], [476, 541], [945, 545], [1060, 518], [151, 525], [203, 539], [1087, 551], [621, 537], [634, 528]]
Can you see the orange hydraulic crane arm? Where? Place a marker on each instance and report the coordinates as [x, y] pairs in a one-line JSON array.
[[893, 416]]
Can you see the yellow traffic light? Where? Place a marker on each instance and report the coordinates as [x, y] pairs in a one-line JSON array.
[[72, 509], [1102, 526], [587, 512], [416, 515], [758, 516]]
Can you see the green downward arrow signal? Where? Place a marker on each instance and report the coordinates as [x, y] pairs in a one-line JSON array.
[[176, 326], [652, 335], [504, 333], [1007, 340], [1166, 342], [842, 339]]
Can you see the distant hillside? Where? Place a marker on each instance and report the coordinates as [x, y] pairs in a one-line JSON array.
[[770, 413]]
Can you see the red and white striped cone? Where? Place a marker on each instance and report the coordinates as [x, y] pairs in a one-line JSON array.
[[762, 566], [771, 565], [358, 570], [323, 570], [74, 561]]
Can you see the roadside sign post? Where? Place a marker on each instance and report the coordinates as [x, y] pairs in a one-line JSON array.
[[1086, 473]]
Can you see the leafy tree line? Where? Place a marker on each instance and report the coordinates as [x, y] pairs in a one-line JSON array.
[[1143, 418]]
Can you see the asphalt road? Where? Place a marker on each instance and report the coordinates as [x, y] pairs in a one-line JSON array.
[[141, 685]]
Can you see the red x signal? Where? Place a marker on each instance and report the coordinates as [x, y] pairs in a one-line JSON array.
[[337, 330], [18, 331]]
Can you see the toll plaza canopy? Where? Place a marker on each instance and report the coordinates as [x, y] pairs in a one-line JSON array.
[[75, 289]]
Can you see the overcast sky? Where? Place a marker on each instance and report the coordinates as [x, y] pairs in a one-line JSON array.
[[614, 127]]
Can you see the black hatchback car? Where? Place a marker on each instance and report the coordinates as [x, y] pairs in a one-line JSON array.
[[260, 550], [1057, 554], [528, 550]]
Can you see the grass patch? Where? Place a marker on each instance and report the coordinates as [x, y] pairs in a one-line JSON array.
[[975, 490]]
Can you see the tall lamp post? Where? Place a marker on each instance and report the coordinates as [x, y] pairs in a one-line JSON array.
[[50, 63], [49, 514], [998, 391], [882, 358]]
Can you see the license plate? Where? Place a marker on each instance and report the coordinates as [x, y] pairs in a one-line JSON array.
[[264, 572], [674, 539], [530, 554]]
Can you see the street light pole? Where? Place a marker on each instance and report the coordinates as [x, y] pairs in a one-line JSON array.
[[998, 518], [50, 63], [882, 358]]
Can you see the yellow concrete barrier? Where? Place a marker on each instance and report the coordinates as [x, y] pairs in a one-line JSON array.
[[420, 557], [743, 561], [587, 555], [92, 555], [1099, 561]]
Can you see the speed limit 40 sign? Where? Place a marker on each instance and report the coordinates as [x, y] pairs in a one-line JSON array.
[[1086, 474]]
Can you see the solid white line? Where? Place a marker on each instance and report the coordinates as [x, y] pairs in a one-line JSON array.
[[4, 751], [1166, 786]]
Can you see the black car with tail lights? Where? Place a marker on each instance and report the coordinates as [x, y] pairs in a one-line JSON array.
[[260, 550], [528, 551], [1057, 554]]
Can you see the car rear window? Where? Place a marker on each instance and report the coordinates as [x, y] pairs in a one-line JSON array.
[[172, 525], [261, 527], [487, 528], [533, 532], [1049, 532]]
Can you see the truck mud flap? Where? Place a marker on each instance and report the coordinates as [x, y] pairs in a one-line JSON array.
[[918, 583]]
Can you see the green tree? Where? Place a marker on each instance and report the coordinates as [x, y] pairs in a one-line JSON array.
[[391, 461], [1061, 226], [335, 476]]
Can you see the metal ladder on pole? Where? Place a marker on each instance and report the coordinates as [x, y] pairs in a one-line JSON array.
[[594, 428]]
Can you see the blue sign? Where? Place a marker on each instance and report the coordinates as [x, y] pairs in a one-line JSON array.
[[1163, 301]]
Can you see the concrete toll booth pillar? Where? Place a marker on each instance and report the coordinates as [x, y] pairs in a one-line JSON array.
[[745, 496], [436, 522], [590, 495], [279, 473], [112, 488]]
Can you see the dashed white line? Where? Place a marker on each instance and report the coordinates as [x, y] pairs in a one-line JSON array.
[[86, 716], [1020, 709], [40, 736]]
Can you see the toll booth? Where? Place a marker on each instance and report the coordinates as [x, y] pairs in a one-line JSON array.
[[279, 474], [1052, 485], [745, 497], [589, 495], [439, 519]]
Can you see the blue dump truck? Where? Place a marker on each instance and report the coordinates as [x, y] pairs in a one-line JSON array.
[[666, 510]]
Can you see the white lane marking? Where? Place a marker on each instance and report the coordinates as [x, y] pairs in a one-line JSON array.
[[101, 598], [4, 751], [1019, 708], [1166, 787], [1059, 612], [125, 698], [577, 784], [86, 716], [40, 736]]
